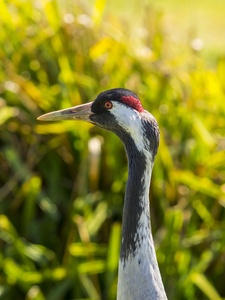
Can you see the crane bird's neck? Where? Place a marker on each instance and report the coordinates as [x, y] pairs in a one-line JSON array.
[[139, 275]]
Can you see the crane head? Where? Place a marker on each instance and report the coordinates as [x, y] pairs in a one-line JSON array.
[[120, 111]]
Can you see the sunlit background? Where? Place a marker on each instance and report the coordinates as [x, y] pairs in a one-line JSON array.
[[62, 184]]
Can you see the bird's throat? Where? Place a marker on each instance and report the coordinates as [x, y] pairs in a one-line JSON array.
[[139, 275], [136, 220]]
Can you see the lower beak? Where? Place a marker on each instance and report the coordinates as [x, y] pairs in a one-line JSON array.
[[80, 112]]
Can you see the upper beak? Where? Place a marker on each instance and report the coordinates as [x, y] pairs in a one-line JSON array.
[[80, 112]]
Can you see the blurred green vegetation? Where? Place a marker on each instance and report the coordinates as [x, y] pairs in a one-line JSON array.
[[62, 184]]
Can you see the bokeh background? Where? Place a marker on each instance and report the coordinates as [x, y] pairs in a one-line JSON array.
[[62, 184]]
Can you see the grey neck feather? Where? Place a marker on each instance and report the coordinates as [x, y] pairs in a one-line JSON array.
[[139, 276]]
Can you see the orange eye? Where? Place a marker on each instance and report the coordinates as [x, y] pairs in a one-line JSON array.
[[108, 105]]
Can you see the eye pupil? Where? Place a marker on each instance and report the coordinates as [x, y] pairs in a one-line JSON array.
[[108, 105]]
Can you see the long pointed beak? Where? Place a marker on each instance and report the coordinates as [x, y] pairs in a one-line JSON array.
[[80, 112]]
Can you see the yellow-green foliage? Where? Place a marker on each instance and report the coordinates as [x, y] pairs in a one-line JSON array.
[[62, 184]]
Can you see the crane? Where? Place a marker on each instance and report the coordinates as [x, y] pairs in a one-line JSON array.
[[120, 111]]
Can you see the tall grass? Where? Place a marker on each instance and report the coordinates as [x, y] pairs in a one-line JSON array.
[[62, 184]]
